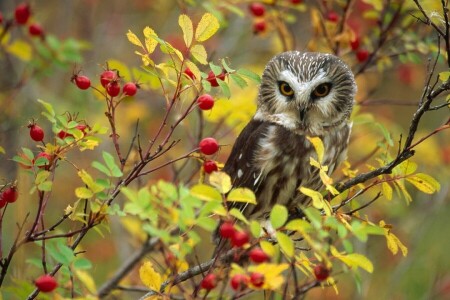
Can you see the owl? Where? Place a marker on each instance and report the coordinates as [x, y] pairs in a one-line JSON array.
[[302, 94]]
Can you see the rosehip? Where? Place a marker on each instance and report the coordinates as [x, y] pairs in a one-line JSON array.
[[239, 282], [36, 132], [239, 238], [209, 166], [222, 75], [259, 27], [1, 17], [62, 134], [354, 44], [35, 30], [189, 73], [46, 166], [296, 1], [22, 13], [332, 16], [362, 55], [205, 102], [257, 255], [130, 89], [257, 9], [82, 127], [209, 282], [227, 230], [113, 88], [208, 146], [46, 283], [321, 272], [82, 82], [257, 279], [212, 79], [10, 195], [107, 76]]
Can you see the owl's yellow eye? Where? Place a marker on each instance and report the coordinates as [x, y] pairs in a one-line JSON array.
[[322, 90], [285, 89]]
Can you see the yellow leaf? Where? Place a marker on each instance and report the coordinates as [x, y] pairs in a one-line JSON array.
[[273, 277], [353, 260], [393, 242], [20, 49], [318, 146], [150, 41], [149, 277], [404, 191], [267, 247], [199, 53], [2, 150], [134, 39], [87, 280], [188, 29], [206, 28], [317, 198], [286, 244], [242, 195], [83, 192], [221, 181], [238, 215], [424, 183], [387, 190], [407, 167], [193, 68], [169, 49], [206, 192]]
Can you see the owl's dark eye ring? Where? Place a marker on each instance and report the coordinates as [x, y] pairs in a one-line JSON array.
[[285, 89], [321, 90]]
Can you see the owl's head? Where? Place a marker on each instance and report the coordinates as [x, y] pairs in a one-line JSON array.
[[306, 91]]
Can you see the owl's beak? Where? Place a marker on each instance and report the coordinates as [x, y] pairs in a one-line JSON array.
[[302, 114]]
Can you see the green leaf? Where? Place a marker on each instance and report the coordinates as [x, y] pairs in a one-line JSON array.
[[45, 186], [82, 263], [41, 176], [28, 153], [199, 53], [206, 28], [424, 183], [238, 80], [48, 107], [278, 216], [244, 195], [207, 223], [444, 76], [102, 168], [238, 215], [225, 88], [217, 70], [249, 74], [109, 160], [226, 67], [188, 29], [206, 193], [255, 228], [286, 244]]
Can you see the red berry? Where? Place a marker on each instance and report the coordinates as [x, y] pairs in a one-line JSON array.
[[82, 127], [257, 9], [239, 282], [354, 44], [1, 17], [10, 195], [332, 16], [208, 146], [321, 272], [259, 26], [205, 102], [46, 283], [209, 282], [239, 238], [35, 30], [62, 134], [296, 1], [209, 166], [189, 73], [113, 88], [82, 82], [227, 230], [257, 255], [46, 156], [130, 89], [222, 75], [362, 55], [22, 13], [36, 132], [212, 79], [257, 279], [107, 76]]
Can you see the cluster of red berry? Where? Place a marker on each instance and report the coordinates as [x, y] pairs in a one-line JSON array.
[[209, 146], [22, 14], [361, 54], [110, 80]]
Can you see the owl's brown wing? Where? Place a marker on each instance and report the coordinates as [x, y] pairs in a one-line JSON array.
[[240, 164]]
